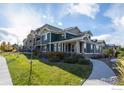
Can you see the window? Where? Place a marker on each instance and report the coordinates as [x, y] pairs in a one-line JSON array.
[[45, 38]]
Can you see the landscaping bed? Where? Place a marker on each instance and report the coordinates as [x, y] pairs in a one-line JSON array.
[[71, 58], [45, 73]]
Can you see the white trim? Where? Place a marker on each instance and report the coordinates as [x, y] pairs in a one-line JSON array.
[[97, 47], [45, 36], [59, 46], [50, 43], [64, 35], [86, 35], [84, 45], [91, 46], [92, 53], [71, 33]]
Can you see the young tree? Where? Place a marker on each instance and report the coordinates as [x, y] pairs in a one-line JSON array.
[[3, 46]]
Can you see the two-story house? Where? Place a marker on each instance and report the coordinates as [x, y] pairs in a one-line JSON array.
[[49, 38]]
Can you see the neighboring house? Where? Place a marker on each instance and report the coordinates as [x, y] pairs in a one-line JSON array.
[[17, 47], [71, 40], [29, 41]]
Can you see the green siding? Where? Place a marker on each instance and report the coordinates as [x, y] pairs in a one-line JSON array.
[[52, 47], [94, 48], [69, 36], [47, 47], [88, 46], [57, 47], [56, 37]]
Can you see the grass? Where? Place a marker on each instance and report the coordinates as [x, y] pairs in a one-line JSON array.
[[49, 73], [120, 66]]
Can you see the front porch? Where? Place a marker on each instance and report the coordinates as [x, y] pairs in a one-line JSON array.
[[68, 47], [71, 46]]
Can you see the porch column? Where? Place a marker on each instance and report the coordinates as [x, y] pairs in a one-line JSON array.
[[77, 47], [55, 47], [64, 47], [61, 47], [50, 47], [82, 47]]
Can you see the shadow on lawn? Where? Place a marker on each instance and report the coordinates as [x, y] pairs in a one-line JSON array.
[[81, 71]]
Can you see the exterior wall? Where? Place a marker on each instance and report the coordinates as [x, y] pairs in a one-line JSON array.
[[52, 47], [92, 48], [56, 37], [70, 36], [51, 44]]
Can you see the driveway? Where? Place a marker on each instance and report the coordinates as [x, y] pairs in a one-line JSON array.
[[101, 74], [5, 78]]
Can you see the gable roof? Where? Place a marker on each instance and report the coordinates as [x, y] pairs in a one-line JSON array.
[[52, 28], [74, 30], [85, 32]]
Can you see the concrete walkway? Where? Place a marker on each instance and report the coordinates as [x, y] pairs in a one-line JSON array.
[[101, 74], [5, 78]]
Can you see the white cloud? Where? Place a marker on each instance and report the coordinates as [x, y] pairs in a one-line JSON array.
[[116, 14], [44, 16], [87, 9], [60, 23], [21, 19], [105, 37], [5, 36]]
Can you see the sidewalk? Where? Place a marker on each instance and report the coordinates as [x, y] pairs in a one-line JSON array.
[[5, 78], [101, 74]]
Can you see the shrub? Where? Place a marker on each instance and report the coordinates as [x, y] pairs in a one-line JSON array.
[[98, 56], [76, 59], [54, 59], [69, 60], [60, 55], [83, 61], [121, 54], [36, 52], [77, 56]]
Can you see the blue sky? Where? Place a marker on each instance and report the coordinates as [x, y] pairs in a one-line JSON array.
[[105, 21]]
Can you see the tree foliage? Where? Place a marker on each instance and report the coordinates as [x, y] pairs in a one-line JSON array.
[[6, 47]]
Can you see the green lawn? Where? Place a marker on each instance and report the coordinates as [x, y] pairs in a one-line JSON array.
[[120, 65], [45, 73]]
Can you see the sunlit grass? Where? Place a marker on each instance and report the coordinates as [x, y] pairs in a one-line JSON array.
[[45, 73]]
